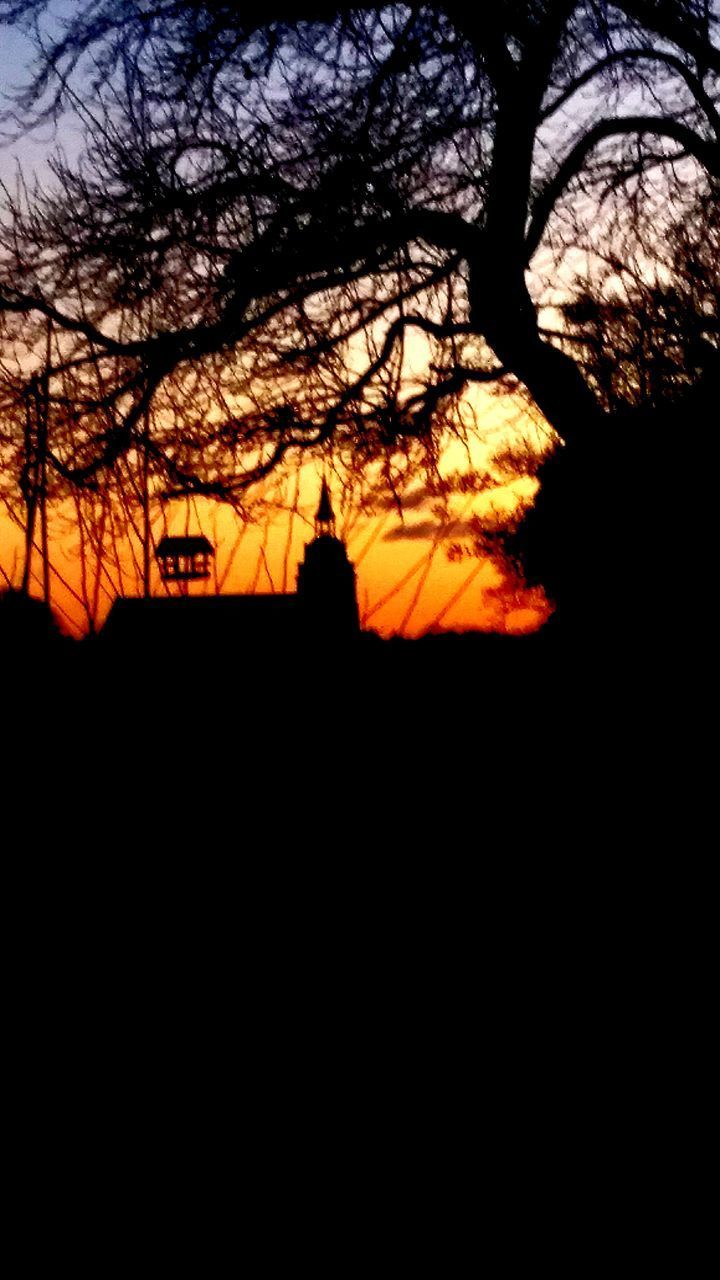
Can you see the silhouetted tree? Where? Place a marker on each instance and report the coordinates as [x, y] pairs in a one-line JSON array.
[[24, 445], [645, 329], [285, 199], [644, 324]]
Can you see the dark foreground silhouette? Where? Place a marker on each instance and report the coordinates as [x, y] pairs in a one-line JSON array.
[[623, 538], [194, 667], [624, 532]]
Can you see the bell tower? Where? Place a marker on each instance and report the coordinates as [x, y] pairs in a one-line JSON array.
[[326, 580]]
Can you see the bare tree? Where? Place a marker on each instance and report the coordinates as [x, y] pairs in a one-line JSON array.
[[645, 323], [291, 198]]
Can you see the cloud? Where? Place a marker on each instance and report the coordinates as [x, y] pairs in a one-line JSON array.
[[430, 530], [408, 501], [460, 482]]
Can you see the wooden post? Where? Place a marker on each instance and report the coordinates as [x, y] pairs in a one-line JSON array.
[[147, 533], [43, 427], [30, 495]]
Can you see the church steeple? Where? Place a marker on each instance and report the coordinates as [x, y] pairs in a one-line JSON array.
[[326, 581], [325, 517]]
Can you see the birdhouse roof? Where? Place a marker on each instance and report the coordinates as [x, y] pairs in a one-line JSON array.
[[189, 545]]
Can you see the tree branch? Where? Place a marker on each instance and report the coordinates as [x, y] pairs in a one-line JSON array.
[[644, 54], [708, 153]]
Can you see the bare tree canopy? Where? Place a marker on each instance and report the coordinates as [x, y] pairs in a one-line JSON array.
[[265, 210]]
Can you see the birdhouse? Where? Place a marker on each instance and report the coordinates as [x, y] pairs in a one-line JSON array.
[[184, 559]]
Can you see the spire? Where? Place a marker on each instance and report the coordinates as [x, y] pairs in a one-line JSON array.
[[326, 589], [325, 517]]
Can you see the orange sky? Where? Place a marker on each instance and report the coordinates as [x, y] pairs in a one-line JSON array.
[[407, 581], [415, 572]]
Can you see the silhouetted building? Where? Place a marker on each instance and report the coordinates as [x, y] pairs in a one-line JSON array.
[[323, 610], [326, 578]]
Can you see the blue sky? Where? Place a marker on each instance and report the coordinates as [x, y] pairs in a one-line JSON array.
[[14, 51], [15, 61], [15, 54]]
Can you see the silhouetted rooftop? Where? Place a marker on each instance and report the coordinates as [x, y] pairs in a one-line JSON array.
[[190, 545]]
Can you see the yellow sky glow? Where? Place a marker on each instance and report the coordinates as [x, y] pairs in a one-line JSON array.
[[407, 582]]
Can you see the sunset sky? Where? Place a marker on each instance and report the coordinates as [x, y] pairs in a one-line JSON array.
[[415, 570]]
